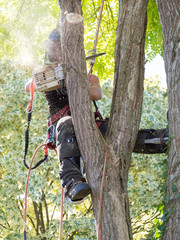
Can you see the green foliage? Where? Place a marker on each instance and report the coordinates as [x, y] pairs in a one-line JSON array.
[[154, 37], [22, 36], [44, 185], [146, 178], [24, 26], [147, 175], [104, 65]]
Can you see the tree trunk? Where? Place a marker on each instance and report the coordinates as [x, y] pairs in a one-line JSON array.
[[169, 11], [125, 112]]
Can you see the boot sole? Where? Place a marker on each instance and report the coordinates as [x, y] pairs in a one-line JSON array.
[[79, 192]]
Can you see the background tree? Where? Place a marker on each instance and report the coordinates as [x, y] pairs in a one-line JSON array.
[[170, 20]]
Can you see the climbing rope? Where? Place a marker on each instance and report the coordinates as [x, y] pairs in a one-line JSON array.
[[102, 185], [45, 145], [105, 144], [92, 62], [61, 214]]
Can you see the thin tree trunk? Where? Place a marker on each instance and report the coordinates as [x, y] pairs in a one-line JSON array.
[[169, 11], [125, 113]]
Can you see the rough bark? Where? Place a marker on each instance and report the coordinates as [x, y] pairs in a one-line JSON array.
[[169, 11], [125, 113]]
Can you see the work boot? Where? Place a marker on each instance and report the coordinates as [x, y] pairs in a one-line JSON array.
[[76, 188]]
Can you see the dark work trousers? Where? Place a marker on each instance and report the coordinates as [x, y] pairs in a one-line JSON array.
[[69, 154]]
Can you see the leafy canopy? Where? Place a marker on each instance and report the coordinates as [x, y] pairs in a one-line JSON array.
[[24, 26]]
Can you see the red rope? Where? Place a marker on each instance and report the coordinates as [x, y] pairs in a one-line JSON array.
[[61, 219], [105, 144], [96, 36], [27, 181], [99, 21], [31, 95], [102, 185]]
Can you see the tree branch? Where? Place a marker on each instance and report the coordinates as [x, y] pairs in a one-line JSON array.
[[46, 207], [88, 210], [72, 235], [3, 226], [19, 12], [42, 228], [37, 217]]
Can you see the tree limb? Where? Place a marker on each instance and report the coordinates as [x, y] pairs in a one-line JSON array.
[[3, 226], [42, 228], [37, 217], [46, 207]]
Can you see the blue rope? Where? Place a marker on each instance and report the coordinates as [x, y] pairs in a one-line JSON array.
[[25, 235]]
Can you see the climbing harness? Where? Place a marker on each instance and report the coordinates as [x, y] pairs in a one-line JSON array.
[[61, 113]]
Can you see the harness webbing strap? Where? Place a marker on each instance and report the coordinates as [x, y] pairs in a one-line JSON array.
[[62, 113]]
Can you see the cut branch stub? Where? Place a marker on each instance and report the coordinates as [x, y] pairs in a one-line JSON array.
[[74, 18]]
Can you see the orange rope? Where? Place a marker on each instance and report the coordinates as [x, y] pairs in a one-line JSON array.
[[99, 21], [61, 221], [105, 145], [27, 181], [96, 36], [100, 201], [31, 95], [102, 185]]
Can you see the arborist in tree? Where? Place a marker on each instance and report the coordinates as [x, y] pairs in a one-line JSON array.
[[149, 141], [76, 188]]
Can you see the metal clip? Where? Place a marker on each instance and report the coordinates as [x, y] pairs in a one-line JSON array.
[[53, 131]]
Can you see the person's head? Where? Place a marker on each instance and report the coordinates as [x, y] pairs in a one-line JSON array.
[[53, 47]]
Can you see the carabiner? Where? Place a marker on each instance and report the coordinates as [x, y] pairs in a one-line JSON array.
[[53, 132]]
